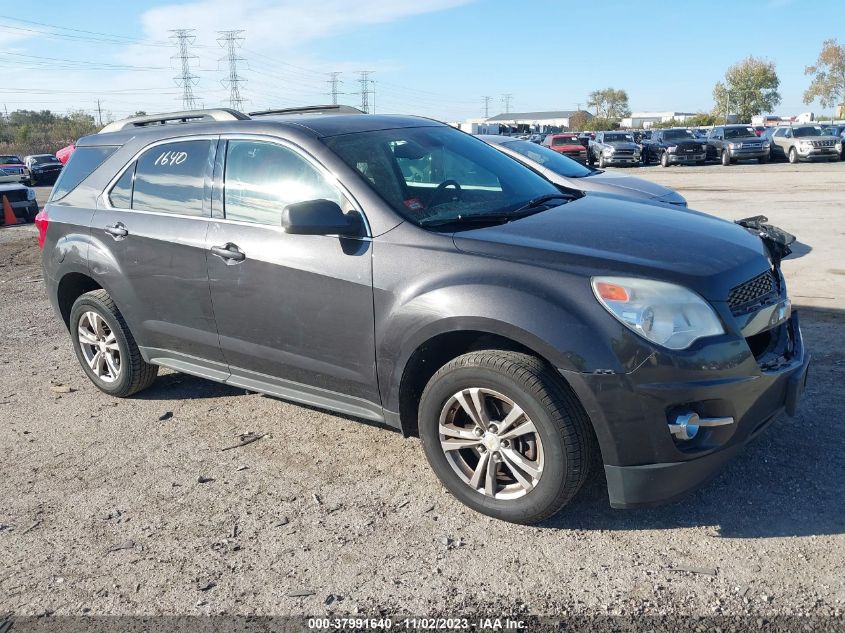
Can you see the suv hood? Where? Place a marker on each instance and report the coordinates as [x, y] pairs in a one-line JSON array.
[[605, 235], [621, 144]]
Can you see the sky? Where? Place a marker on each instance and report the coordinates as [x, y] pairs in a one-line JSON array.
[[435, 58]]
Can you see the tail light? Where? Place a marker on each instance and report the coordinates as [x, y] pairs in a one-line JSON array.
[[41, 223]]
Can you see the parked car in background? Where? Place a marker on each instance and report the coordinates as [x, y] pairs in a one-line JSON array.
[[64, 154], [674, 146], [567, 144], [614, 148], [6, 177], [730, 143], [800, 143], [20, 197], [565, 172], [759, 129], [43, 168], [837, 130], [14, 166]]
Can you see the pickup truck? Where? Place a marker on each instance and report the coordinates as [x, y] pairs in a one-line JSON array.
[[613, 148], [568, 145], [730, 143], [674, 146]]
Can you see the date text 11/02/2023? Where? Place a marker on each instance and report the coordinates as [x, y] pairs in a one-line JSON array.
[[418, 624]]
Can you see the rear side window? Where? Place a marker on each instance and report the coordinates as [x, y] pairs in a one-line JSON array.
[[171, 178], [120, 196], [82, 164]]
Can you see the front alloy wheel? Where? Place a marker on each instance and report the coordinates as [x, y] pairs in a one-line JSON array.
[[505, 434], [490, 443]]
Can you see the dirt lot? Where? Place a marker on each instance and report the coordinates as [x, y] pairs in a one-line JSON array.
[[102, 509]]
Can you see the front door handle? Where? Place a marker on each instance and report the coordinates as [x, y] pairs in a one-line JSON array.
[[117, 231], [229, 252]]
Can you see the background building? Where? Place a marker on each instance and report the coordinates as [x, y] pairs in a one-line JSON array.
[[647, 119], [537, 121]]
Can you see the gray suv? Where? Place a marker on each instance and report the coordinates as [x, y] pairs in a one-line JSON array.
[[400, 271]]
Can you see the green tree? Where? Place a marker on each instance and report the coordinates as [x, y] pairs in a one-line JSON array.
[[750, 87], [578, 120], [828, 84], [598, 123], [609, 103]]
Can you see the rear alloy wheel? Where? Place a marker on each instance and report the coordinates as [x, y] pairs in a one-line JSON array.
[[505, 435], [793, 155], [106, 348]]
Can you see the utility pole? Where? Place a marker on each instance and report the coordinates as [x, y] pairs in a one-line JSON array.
[[99, 113], [231, 41], [183, 38], [365, 82], [506, 101], [487, 99], [334, 82]]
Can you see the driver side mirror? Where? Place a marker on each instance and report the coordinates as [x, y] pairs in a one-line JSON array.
[[319, 217]]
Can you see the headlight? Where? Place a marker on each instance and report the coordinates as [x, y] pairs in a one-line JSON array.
[[838, 147], [672, 149], [766, 145], [30, 194], [608, 151], [663, 313], [734, 145], [805, 146]]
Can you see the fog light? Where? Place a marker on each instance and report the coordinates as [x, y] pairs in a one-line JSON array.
[[686, 425]]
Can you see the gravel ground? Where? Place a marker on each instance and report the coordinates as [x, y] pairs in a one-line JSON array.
[[133, 507]]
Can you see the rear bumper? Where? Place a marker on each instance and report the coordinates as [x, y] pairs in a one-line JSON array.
[[644, 464]]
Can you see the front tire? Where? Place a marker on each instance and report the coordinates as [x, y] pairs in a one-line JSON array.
[[664, 159], [763, 160], [726, 158], [505, 435], [106, 348], [793, 155], [602, 162]]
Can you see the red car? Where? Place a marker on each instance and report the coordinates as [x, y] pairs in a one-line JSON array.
[[568, 145], [64, 154]]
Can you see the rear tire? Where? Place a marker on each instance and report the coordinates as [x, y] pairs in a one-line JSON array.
[[125, 372], [558, 448]]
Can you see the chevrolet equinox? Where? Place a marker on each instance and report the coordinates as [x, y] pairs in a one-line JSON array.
[[398, 270]]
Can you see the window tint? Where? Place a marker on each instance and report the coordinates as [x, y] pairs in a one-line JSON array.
[[170, 178], [82, 163], [120, 196], [263, 178], [433, 167]]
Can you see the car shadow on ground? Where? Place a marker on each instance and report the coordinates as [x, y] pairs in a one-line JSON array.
[[176, 386]]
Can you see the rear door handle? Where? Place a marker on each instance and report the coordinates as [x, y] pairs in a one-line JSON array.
[[117, 231], [229, 252]]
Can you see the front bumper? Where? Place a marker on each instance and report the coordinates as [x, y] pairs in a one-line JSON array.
[[748, 154], [622, 160], [644, 464], [685, 159], [818, 153]]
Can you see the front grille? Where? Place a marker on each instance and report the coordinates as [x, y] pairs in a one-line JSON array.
[[753, 291], [624, 152], [823, 143], [751, 145], [14, 195]]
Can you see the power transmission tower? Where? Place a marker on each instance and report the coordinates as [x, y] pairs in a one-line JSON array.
[[506, 101], [186, 79], [487, 101], [334, 82], [366, 90], [231, 41]]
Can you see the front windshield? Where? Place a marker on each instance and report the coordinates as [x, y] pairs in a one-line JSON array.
[[739, 132], [9, 159], [618, 138], [550, 159], [807, 131], [41, 160], [565, 140], [439, 173], [677, 135]]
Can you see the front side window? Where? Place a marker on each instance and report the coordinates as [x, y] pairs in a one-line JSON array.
[[439, 174], [170, 178], [263, 178]]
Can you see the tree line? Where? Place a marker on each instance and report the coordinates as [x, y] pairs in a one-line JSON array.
[[750, 87]]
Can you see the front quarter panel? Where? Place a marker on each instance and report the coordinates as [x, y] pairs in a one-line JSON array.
[[424, 286]]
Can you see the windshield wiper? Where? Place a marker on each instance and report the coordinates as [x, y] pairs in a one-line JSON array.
[[533, 204], [472, 218]]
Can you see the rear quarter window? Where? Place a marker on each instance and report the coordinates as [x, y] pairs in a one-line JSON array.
[[82, 164]]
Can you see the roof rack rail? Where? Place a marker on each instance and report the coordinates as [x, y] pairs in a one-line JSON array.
[[185, 116], [316, 109]]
